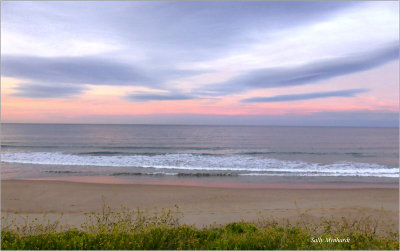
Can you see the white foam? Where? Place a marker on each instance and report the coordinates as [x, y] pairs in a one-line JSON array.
[[252, 165]]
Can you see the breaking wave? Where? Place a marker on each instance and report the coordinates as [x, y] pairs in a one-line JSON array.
[[200, 165]]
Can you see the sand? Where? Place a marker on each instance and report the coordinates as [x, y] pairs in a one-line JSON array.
[[200, 205]]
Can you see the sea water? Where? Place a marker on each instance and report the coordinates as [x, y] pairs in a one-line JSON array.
[[40, 150]]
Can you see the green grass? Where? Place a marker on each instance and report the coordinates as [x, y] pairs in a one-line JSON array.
[[133, 229]]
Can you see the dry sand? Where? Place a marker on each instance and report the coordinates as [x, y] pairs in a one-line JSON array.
[[200, 205]]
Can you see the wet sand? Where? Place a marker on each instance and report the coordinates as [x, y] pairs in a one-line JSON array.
[[200, 205]]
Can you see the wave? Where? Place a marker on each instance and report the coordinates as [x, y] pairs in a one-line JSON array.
[[152, 150], [114, 147], [355, 154], [197, 163], [139, 174], [56, 171], [103, 153], [174, 174]]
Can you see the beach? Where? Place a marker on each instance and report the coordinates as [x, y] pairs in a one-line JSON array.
[[214, 174], [201, 206]]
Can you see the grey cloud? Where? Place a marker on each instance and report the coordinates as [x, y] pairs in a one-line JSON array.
[[86, 70], [29, 90], [306, 74], [75, 70], [142, 97], [207, 25], [64, 76], [170, 30], [305, 96]]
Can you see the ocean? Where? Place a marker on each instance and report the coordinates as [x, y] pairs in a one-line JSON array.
[[199, 152]]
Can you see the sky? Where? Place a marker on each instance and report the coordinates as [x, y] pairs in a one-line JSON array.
[[235, 63]]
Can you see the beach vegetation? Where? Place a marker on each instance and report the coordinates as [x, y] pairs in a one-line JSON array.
[[136, 229]]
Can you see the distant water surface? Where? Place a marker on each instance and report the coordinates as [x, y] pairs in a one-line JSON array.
[[43, 150]]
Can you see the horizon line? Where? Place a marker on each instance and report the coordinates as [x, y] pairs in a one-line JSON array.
[[166, 124]]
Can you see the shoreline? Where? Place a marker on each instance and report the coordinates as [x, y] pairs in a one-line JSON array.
[[217, 183], [199, 205], [264, 182]]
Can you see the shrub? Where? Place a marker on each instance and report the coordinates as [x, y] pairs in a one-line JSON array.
[[135, 229]]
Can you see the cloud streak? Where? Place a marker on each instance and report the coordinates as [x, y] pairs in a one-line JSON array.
[[29, 90], [305, 96], [306, 73], [74, 70], [66, 76], [143, 97]]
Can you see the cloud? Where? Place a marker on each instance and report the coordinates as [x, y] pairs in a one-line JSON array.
[[146, 50], [30, 90], [305, 96], [86, 70], [306, 73], [178, 29], [208, 29], [142, 97], [74, 70]]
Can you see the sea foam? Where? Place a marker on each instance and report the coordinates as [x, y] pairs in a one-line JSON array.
[[237, 164]]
